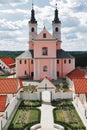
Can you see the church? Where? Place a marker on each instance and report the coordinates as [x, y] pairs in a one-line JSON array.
[[44, 57]]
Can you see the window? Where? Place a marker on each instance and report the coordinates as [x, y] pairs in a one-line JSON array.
[[45, 68], [44, 51], [25, 72], [57, 61], [31, 61], [56, 29], [25, 61], [64, 61], [32, 29], [57, 74], [20, 61], [69, 61], [44, 35]]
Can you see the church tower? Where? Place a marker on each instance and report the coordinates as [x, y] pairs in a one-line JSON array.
[[32, 26], [56, 24]]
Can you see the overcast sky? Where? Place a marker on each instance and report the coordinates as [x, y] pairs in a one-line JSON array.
[[15, 14]]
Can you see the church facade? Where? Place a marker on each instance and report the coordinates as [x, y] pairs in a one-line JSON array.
[[44, 57]]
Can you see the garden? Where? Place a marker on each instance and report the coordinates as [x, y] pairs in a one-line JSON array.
[[25, 117], [66, 115], [27, 103]]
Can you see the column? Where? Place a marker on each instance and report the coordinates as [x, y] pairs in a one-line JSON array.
[[38, 68], [34, 69], [16, 69], [55, 69], [51, 74]]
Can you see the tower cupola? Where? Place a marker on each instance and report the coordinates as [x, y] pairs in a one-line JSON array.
[[56, 23], [32, 25], [32, 20], [56, 19]]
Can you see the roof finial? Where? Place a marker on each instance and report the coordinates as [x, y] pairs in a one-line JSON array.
[[56, 5], [32, 5]]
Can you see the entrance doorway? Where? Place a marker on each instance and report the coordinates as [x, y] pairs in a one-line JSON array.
[[46, 96]]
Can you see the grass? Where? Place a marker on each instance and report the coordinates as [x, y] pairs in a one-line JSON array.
[[24, 119], [3, 76], [26, 88], [66, 115]]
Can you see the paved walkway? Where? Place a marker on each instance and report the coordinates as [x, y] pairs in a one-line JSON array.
[[47, 117]]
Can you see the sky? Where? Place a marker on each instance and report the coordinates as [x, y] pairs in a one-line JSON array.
[[15, 14]]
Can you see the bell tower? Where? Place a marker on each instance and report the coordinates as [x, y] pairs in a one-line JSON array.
[[56, 24], [32, 25]]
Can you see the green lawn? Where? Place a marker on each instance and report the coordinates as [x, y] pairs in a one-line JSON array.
[[24, 119], [26, 88], [3, 76], [66, 115]]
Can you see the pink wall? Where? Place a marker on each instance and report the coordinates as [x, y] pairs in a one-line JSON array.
[[65, 68], [21, 68], [38, 49]]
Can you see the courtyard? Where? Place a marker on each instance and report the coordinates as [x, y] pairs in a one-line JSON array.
[[60, 112]]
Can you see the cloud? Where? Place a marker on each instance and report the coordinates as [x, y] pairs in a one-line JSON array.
[[15, 14], [12, 1]]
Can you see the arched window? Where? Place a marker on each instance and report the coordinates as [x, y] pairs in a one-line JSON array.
[[56, 29], [45, 68], [44, 35], [32, 29], [44, 51]]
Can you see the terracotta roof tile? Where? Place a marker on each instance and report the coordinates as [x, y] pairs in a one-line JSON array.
[[67, 90], [76, 73], [8, 61], [9, 85], [80, 85], [3, 102]]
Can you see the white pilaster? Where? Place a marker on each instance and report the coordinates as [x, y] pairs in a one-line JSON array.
[[38, 68], [34, 69], [16, 69], [55, 69], [51, 65]]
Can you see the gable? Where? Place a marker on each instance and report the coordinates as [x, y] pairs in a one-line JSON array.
[[45, 83], [8, 61], [45, 35]]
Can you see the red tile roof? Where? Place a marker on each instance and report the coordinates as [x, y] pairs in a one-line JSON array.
[[3, 102], [76, 73], [10, 85], [80, 85], [8, 61]]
